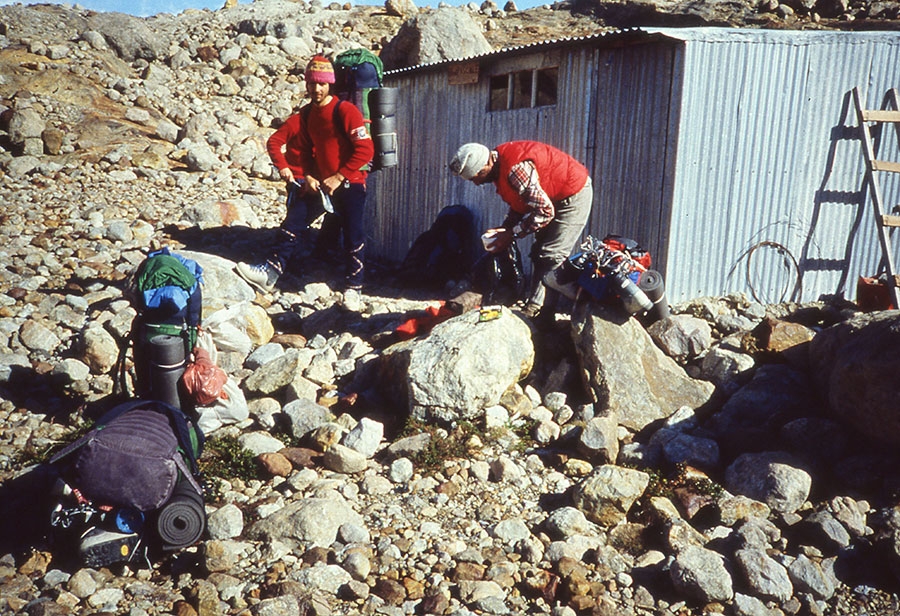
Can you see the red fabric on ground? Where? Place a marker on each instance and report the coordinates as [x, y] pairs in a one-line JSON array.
[[423, 324]]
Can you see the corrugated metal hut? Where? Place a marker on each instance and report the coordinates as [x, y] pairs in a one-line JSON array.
[[732, 154]]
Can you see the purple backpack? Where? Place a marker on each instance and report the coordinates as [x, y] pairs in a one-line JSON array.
[[134, 456]]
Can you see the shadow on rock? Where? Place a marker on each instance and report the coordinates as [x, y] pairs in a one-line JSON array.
[[39, 392], [236, 243], [26, 502]]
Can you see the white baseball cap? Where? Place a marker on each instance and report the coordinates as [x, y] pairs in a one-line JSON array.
[[469, 159]]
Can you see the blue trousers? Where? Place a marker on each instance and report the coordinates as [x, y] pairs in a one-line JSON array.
[[348, 219]]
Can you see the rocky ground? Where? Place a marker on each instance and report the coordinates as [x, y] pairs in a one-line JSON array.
[[119, 135]]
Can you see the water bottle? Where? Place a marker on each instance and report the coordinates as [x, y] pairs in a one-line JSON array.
[[129, 520], [633, 299]]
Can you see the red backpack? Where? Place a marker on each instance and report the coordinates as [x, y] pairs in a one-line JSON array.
[[631, 247]]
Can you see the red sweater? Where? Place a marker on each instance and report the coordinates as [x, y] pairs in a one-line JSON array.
[[561, 175], [287, 137], [326, 149]]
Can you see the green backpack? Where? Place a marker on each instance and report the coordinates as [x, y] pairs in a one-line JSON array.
[[358, 72]]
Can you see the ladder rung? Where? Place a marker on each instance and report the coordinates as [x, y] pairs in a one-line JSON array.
[[881, 115], [886, 165], [847, 197], [824, 264], [890, 220]]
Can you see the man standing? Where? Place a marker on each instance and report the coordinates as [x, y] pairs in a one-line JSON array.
[[328, 140], [549, 193]]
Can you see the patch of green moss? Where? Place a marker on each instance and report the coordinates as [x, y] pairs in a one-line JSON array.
[[225, 458], [453, 446], [665, 486], [524, 429]]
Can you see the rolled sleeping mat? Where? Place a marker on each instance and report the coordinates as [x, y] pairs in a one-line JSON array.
[[382, 102], [167, 364], [182, 520], [384, 125], [652, 284]]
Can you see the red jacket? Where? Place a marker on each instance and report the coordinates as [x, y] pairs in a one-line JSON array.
[[287, 137], [561, 175], [326, 149]]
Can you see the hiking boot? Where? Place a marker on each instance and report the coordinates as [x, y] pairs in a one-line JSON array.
[[262, 276], [531, 310], [99, 547]]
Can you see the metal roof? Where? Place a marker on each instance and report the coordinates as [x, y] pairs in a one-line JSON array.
[[645, 34], [617, 35]]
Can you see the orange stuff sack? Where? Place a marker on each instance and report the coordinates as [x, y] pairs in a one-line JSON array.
[[203, 379]]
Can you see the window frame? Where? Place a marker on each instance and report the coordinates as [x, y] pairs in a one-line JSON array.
[[513, 82]]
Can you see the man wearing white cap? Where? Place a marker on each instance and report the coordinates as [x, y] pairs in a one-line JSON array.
[[549, 194]]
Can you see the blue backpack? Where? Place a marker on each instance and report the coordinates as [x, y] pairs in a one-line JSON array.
[[168, 295]]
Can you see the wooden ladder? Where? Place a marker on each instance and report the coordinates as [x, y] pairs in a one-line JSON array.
[[871, 123]]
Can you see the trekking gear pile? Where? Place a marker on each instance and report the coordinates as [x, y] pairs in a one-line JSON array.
[[165, 289], [131, 486], [359, 77], [613, 270]]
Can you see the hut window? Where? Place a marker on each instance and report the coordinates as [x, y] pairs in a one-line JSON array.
[[499, 92], [524, 89]]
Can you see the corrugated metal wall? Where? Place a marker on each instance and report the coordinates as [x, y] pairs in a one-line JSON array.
[[435, 118], [731, 154], [620, 130], [636, 122], [769, 168]]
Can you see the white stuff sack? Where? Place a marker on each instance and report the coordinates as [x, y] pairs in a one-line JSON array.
[[228, 329], [230, 408]]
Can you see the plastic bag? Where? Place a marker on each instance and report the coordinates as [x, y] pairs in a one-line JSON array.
[[228, 330], [205, 341], [231, 407], [203, 379]]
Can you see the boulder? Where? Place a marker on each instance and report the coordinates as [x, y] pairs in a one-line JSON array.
[[701, 573], [435, 36], [773, 478], [459, 369], [129, 36], [767, 577], [312, 520], [682, 336], [629, 12], [221, 213], [221, 285], [606, 495], [400, 8], [776, 395], [627, 374], [25, 124], [856, 367]]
